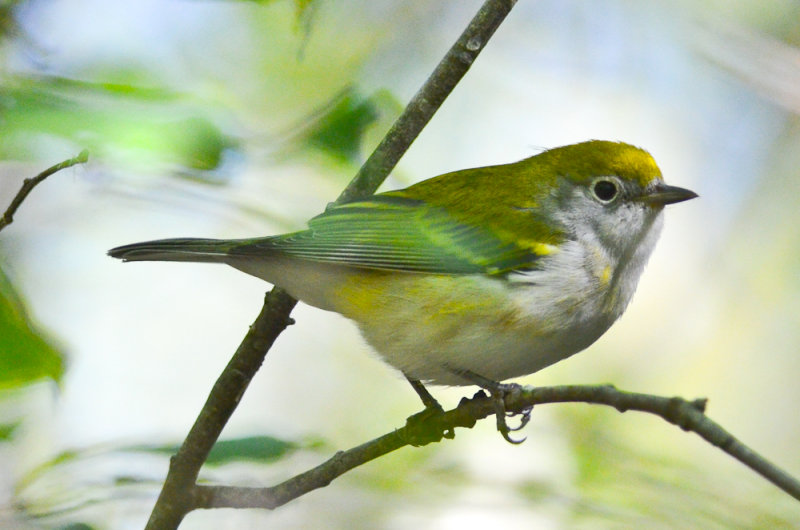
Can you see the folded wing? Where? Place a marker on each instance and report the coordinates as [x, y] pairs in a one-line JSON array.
[[397, 233]]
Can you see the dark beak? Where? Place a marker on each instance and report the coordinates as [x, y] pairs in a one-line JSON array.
[[663, 194]]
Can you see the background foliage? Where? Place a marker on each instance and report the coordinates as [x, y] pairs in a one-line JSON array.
[[231, 119]]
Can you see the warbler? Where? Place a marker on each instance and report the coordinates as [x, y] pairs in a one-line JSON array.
[[492, 273]]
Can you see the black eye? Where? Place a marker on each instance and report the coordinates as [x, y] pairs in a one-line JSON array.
[[605, 190]]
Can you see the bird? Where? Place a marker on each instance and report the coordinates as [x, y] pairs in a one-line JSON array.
[[475, 276]]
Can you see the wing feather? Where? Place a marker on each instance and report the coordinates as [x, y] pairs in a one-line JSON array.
[[392, 232]]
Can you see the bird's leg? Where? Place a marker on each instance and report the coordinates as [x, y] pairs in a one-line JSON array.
[[427, 399], [498, 392], [421, 429]]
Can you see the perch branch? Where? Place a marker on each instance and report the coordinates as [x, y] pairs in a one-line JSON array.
[[688, 415]]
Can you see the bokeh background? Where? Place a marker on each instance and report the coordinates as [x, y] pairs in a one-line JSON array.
[[243, 118]]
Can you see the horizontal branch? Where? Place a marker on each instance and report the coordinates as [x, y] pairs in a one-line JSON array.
[[426, 428], [29, 184]]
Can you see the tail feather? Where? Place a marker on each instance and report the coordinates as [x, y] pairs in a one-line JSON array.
[[181, 249]]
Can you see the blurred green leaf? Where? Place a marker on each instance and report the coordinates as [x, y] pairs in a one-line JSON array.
[[301, 6], [339, 128], [303, 12], [139, 124], [25, 356], [7, 431], [76, 526], [8, 22], [339, 131], [253, 448]]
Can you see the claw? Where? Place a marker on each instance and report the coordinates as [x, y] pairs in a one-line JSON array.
[[498, 395], [526, 417], [498, 392]]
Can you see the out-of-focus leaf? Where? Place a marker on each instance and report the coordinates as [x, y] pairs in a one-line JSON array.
[[76, 526], [25, 356], [7, 431], [304, 13], [301, 6], [338, 129], [8, 22], [139, 124], [253, 448]]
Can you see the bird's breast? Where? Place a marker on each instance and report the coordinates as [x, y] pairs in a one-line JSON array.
[[432, 325]]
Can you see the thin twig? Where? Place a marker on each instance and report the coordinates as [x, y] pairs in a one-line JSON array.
[[177, 495], [29, 184], [689, 415]]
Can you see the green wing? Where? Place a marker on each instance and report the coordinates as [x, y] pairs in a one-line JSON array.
[[393, 232]]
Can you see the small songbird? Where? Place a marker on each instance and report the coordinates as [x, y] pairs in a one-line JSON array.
[[482, 274]]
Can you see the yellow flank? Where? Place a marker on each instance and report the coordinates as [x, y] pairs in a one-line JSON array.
[[538, 248], [605, 276], [439, 301], [362, 294]]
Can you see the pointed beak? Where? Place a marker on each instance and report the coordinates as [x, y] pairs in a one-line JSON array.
[[663, 194]]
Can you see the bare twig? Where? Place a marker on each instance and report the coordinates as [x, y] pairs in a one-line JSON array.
[[688, 415], [177, 495], [29, 184], [453, 66]]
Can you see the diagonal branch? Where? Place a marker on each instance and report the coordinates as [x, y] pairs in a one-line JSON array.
[[453, 66], [688, 415], [176, 498], [29, 184]]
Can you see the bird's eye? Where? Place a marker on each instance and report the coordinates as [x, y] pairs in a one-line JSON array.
[[605, 190]]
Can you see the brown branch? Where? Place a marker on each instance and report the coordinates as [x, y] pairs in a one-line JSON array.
[[453, 66], [419, 430], [29, 184], [177, 495]]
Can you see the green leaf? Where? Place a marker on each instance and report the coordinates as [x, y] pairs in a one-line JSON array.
[[136, 123], [302, 6], [340, 128], [252, 448], [77, 526], [7, 431], [25, 356]]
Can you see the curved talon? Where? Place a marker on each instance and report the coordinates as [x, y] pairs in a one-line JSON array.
[[503, 427], [497, 393], [526, 417], [511, 440]]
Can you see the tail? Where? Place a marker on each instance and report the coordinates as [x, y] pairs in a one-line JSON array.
[[181, 249]]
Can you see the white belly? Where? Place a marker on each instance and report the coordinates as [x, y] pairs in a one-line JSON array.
[[432, 326]]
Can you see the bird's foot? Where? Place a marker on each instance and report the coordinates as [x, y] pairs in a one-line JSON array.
[[497, 393]]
